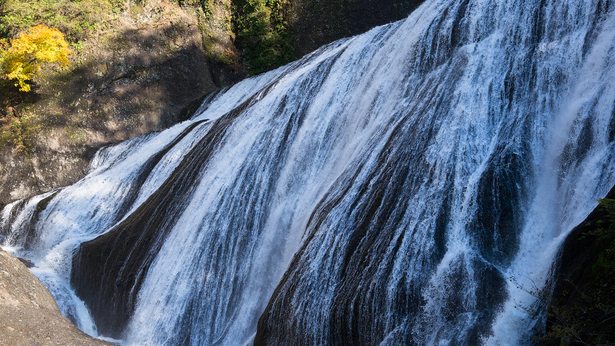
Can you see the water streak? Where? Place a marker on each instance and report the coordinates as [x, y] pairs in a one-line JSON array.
[[381, 190]]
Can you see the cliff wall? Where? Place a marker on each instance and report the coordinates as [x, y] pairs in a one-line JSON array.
[[145, 70], [582, 308]]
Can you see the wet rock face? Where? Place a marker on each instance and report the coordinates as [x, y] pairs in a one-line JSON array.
[[49, 168], [129, 248], [29, 313]]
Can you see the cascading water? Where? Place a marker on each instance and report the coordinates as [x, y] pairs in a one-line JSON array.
[[381, 190]]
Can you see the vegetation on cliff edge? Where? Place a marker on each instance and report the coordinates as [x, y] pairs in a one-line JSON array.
[[77, 19], [264, 35], [582, 312], [21, 58]]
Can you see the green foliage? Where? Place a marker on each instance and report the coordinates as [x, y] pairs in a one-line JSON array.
[[19, 131], [76, 18], [608, 206], [263, 34], [585, 321]]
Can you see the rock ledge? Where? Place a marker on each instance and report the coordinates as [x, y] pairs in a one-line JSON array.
[[29, 315]]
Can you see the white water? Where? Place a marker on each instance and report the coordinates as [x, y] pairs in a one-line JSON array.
[[491, 107]]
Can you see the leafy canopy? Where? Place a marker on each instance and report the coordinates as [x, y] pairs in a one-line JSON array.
[[263, 33], [78, 19], [21, 59]]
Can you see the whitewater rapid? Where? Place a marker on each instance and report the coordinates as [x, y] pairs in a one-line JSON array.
[[381, 190]]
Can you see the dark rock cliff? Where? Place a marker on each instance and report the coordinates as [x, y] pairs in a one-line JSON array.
[[582, 310], [320, 22]]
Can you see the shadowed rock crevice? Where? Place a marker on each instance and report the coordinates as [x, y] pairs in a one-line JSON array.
[[317, 23]]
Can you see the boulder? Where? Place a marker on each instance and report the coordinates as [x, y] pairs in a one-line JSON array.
[[28, 313]]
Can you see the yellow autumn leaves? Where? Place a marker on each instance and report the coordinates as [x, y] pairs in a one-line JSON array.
[[21, 58]]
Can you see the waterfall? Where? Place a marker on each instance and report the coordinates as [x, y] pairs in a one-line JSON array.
[[381, 190]]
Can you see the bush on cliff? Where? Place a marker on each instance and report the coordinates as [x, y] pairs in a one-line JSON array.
[[263, 34], [77, 19], [21, 58], [20, 61]]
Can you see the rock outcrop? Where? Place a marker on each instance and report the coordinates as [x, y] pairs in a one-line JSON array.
[[28, 313], [143, 73], [131, 79], [582, 310]]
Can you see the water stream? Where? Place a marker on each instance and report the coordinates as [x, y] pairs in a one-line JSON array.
[[381, 190]]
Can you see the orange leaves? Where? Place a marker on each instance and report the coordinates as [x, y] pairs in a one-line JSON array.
[[21, 59]]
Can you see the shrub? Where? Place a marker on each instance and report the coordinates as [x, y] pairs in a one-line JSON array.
[[263, 34], [76, 18], [19, 132], [21, 59]]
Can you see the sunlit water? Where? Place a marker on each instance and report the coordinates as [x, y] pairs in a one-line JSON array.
[[381, 190]]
